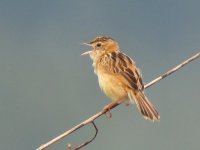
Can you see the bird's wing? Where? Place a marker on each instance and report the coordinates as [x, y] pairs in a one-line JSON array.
[[124, 68]]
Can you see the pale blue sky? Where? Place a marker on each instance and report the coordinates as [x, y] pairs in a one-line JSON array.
[[46, 87]]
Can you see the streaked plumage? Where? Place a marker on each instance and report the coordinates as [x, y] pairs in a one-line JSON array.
[[118, 75]]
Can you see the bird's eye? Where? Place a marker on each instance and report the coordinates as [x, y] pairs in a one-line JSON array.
[[98, 45]]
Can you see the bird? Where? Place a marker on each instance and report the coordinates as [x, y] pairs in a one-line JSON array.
[[118, 76]]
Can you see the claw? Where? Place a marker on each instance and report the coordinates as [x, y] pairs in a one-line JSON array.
[[106, 109], [108, 114]]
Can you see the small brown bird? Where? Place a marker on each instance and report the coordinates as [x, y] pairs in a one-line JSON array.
[[118, 76]]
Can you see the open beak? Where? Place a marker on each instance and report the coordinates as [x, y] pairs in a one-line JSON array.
[[88, 52]]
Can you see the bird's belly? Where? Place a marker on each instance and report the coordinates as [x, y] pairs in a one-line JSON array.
[[112, 86]]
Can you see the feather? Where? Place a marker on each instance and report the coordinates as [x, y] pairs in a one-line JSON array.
[[144, 105]]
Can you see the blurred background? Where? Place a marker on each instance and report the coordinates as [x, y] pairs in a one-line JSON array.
[[47, 88]]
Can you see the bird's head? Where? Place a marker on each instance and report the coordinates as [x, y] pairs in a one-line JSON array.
[[100, 46]]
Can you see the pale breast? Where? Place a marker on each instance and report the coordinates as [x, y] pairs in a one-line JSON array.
[[111, 86]]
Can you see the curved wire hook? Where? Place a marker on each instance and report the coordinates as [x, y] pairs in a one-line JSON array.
[[89, 141]]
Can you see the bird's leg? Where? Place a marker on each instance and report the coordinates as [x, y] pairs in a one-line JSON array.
[[127, 102], [107, 108]]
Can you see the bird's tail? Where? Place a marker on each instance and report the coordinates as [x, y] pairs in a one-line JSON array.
[[144, 105]]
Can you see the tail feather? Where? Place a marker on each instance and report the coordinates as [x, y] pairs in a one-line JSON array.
[[144, 105]]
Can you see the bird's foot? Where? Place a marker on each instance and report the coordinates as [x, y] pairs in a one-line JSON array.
[[127, 103], [106, 109]]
